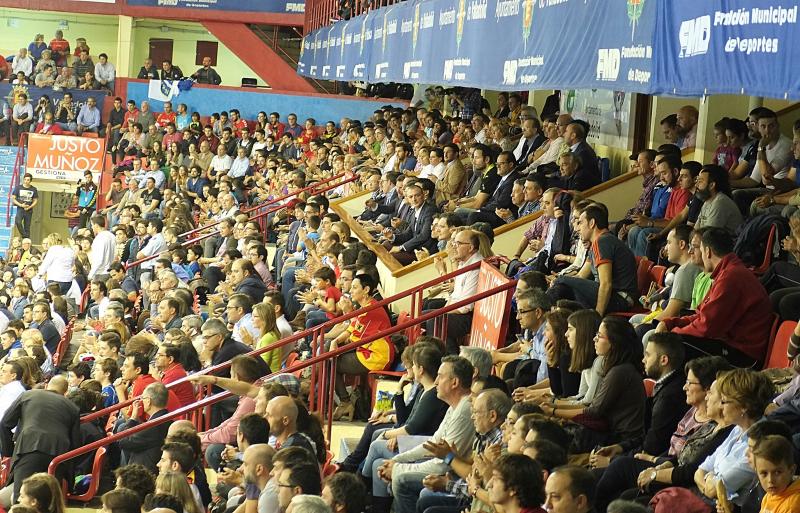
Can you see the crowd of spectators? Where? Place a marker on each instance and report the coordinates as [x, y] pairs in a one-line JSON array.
[[559, 419]]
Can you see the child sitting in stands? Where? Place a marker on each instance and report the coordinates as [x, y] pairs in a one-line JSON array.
[[774, 464]]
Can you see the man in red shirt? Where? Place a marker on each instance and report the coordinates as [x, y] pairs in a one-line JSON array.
[[276, 125], [735, 318], [237, 123], [171, 370], [134, 379], [132, 114], [166, 117]]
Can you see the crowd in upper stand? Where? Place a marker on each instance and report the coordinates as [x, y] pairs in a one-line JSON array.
[[558, 418], [58, 67]]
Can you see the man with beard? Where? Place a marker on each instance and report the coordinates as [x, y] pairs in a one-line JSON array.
[[718, 209]]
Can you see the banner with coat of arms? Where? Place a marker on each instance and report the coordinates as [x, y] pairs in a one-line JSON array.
[[497, 44]]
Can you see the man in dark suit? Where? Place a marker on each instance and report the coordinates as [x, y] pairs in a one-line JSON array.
[[418, 234], [501, 196], [144, 447], [575, 137], [386, 202], [47, 425]]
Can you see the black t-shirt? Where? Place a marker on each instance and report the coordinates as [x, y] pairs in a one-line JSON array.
[[26, 195], [149, 196], [489, 181], [609, 249]]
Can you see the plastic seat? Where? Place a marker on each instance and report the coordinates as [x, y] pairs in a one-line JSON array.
[[94, 485], [765, 263], [776, 353]]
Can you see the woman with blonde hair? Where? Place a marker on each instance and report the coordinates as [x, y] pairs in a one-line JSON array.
[[265, 321], [58, 262], [42, 492], [174, 483]]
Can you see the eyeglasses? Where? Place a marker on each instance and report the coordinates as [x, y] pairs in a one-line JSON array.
[[208, 336], [285, 485], [461, 243], [690, 383], [529, 310]]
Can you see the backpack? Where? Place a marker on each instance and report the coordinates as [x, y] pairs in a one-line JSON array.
[[751, 243]]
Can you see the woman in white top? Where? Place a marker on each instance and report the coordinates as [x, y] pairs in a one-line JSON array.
[[58, 262], [435, 170]]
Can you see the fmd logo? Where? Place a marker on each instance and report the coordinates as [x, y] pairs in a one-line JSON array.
[[694, 36], [608, 60]]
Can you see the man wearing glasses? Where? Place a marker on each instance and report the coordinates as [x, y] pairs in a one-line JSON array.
[[220, 347]]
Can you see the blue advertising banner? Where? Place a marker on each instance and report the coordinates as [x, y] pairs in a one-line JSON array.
[[8, 156], [498, 44], [737, 47], [7, 92], [282, 6]]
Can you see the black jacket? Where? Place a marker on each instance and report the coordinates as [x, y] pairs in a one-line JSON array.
[[144, 447], [253, 287], [666, 408], [418, 233], [46, 422]]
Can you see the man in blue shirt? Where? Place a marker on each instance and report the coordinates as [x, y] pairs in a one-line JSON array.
[[89, 117]]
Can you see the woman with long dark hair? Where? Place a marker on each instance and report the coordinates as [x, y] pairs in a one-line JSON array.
[[617, 411]]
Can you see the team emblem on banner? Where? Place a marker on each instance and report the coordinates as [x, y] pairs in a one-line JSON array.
[[460, 18], [527, 21], [635, 9]]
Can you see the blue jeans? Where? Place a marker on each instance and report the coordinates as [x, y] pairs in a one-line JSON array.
[[440, 502], [406, 489], [637, 239], [377, 454], [585, 292]]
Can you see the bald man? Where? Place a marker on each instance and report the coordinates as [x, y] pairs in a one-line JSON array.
[[185, 426], [256, 469], [282, 417], [58, 384]]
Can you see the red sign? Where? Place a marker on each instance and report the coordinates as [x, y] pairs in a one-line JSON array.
[[490, 317]]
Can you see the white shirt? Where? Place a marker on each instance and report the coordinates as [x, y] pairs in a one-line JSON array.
[[550, 154], [8, 394], [102, 253], [465, 284], [436, 171], [239, 167], [24, 64], [245, 323], [105, 72], [779, 156], [57, 264], [481, 136], [220, 164], [155, 245]]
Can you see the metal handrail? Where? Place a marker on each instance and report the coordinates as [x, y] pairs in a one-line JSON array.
[[260, 215], [309, 332], [322, 358], [267, 203], [18, 161]]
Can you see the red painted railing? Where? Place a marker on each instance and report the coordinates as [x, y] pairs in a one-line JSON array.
[[257, 217], [269, 203], [316, 333], [327, 358]]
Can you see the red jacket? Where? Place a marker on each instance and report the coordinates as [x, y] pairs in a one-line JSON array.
[[139, 384], [52, 129], [736, 310], [185, 391]]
